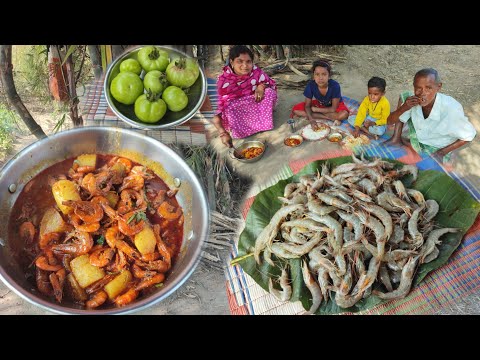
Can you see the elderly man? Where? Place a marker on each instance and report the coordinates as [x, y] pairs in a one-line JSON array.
[[437, 124]]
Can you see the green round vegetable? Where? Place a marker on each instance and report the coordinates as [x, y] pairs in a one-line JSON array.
[[155, 81], [183, 72], [126, 87], [130, 65], [175, 98], [153, 58], [150, 111]]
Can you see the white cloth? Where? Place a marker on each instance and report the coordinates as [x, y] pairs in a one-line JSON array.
[[446, 123]]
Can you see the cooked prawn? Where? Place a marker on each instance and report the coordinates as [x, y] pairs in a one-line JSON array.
[[129, 224], [87, 211], [96, 300], [126, 298], [43, 282], [101, 257], [42, 263], [82, 244], [27, 232], [149, 281], [57, 280], [168, 211]]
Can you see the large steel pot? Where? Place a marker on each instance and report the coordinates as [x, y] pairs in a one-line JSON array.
[[145, 150]]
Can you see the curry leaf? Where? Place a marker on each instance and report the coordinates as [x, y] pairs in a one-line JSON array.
[[101, 240]]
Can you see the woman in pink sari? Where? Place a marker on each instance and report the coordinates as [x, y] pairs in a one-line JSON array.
[[247, 96]]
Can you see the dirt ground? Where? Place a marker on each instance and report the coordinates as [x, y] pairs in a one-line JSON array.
[[204, 292]]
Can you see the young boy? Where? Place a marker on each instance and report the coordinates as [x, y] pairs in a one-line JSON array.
[[374, 110]]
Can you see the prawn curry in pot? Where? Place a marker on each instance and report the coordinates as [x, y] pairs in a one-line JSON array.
[[96, 230]]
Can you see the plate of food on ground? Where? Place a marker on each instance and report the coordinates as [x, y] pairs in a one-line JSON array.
[[315, 135], [350, 142], [293, 140]]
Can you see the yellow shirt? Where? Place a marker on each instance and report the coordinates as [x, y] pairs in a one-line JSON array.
[[379, 111]]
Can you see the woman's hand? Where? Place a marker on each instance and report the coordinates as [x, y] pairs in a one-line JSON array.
[[226, 139], [259, 92]]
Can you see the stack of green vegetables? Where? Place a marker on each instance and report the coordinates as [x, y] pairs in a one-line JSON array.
[[163, 87]]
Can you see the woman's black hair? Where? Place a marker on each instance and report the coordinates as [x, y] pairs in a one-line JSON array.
[[236, 50], [323, 64], [377, 82]]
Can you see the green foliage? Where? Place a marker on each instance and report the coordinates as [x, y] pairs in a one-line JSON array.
[[30, 71], [457, 209], [30, 68], [10, 124]]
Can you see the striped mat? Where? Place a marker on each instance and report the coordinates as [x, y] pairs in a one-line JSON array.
[[96, 112], [457, 278]]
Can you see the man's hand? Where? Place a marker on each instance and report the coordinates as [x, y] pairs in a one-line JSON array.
[[438, 156], [411, 102]]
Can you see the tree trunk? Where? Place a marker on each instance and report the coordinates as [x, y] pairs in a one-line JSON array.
[[96, 61], [72, 91], [117, 50], [6, 75], [202, 55], [279, 51], [189, 50]]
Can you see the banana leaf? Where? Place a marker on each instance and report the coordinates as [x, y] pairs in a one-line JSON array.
[[457, 209]]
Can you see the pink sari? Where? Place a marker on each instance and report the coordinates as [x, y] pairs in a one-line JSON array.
[[242, 116]]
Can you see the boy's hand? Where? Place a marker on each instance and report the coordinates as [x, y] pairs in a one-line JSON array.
[[314, 125], [368, 123], [356, 132]]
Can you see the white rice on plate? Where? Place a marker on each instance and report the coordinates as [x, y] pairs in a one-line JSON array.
[[310, 134]]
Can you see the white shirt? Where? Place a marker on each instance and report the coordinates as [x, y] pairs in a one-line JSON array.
[[446, 123]]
